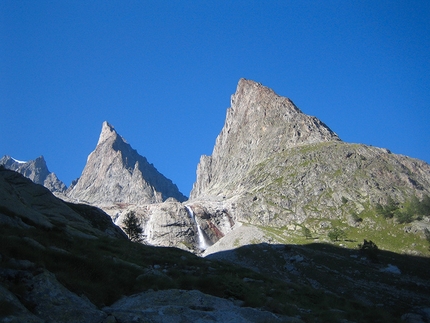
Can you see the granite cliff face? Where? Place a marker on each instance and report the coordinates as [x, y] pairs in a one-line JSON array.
[[259, 124], [272, 165], [37, 171], [116, 173]]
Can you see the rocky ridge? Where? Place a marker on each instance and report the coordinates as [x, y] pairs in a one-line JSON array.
[[272, 165], [258, 125], [37, 171], [116, 173]]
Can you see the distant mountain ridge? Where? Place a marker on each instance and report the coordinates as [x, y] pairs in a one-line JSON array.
[[116, 173], [37, 171]]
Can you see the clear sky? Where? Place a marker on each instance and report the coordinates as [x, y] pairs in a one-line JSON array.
[[162, 73]]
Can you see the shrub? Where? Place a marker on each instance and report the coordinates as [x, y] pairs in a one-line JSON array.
[[356, 217], [427, 234], [404, 216], [336, 234], [388, 210], [306, 232], [369, 249]]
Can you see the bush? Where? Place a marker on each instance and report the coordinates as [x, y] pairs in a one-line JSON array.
[[388, 210], [336, 234], [404, 216], [306, 232], [356, 217], [369, 249]]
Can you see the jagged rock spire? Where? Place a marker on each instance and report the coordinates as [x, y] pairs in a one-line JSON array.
[[116, 173], [258, 124], [107, 132]]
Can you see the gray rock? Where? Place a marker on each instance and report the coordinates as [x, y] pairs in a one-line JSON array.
[[54, 303], [273, 165], [16, 312], [164, 224], [186, 306], [36, 170], [116, 173], [24, 204]]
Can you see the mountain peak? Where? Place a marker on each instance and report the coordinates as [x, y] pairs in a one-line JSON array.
[[258, 124], [36, 170], [108, 131], [116, 173]]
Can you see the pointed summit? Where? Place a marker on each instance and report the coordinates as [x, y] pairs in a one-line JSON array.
[[108, 131], [116, 173], [36, 170], [258, 124]]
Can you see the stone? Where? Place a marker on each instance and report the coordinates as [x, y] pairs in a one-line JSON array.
[[391, 269], [164, 224], [16, 312], [36, 170], [174, 305], [54, 303], [272, 165], [24, 204], [116, 173]]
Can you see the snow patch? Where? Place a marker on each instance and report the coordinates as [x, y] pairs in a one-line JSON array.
[[18, 161]]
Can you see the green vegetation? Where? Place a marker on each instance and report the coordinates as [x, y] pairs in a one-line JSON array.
[[306, 232], [369, 249], [132, 227], [411, 210], [336, 234]]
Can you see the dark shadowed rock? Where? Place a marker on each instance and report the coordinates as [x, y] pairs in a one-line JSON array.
[[37, 171], [187, 306]]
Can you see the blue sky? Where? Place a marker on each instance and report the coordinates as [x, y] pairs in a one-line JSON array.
[[162, 73]]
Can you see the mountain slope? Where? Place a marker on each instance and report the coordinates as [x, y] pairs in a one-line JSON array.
[[259, 124], [116, 173], [63, 262], [275, 167], [37, 171]]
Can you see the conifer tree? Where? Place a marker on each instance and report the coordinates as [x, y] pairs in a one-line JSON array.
[[132, 227]]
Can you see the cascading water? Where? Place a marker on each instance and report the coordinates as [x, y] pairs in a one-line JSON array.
[[203, 244]]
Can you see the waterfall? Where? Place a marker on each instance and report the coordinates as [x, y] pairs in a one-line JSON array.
[[203, 244], [147, 234]]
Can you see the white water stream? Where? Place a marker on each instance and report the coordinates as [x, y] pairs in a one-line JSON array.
[[203, 244]]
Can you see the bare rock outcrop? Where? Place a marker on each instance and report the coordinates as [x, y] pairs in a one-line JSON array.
[[163, 224], [258, 125], [24, 204], [273, 165], [37, 171], [187, 306], [116, 173]]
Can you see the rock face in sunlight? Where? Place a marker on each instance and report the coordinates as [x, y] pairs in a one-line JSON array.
[[258, 125], [273, 165], [116, 173], [37, 171]]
